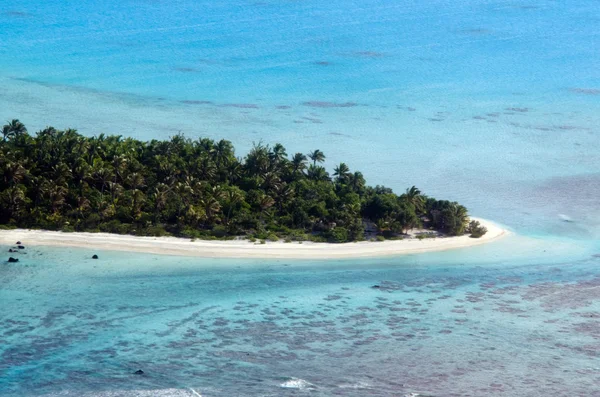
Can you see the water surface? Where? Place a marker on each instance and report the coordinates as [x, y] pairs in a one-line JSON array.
[[491, 103]]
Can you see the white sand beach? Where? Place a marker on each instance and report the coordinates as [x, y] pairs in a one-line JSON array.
[[244, 248]]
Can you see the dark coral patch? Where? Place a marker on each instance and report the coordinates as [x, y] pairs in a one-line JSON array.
[[339, 134], [17, 14], [323, 104], [476, 31], [191, 102], [313, 120], [240, 105], [585, 91], [186, 70], [368, 54]]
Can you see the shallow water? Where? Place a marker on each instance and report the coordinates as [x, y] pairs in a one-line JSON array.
[[438, 324], [491, 103]]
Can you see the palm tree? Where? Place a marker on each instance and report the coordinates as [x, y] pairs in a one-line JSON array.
[[83, 205], [206, 168], [455, 219], [278, 155], [356, 181], [12, 129], [136, 181], [13, 172], [211, 207], [102, 175], [298, 163], [265, 202], [6, 132], [14, 198], [115, 190], [81, 174], [223, 151], [138, 198], [233, 197], [234, 171], [317, 156], [56, 195], [119, 164], [413, 196], [270, 181], [317, 173], [62, 173], [184, 192], [207, 145], [258, 160], [160, 196], [283, 194], [342, 172]]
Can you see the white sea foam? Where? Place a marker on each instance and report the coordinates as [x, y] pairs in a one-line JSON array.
[[565, 218], [195, 393], [357, 385], [129, 393], [296, 383]]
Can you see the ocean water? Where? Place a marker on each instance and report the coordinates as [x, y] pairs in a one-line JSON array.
[[495, 104]]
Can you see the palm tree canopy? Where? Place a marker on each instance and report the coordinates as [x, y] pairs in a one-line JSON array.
[[317, 156], [61, 179], [342, 172]]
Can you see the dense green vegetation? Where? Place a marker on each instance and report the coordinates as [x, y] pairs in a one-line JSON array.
[[61, 180]]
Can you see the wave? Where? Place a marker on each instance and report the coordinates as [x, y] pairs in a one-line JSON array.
[[297, 383], [357, 385], [129, 393]]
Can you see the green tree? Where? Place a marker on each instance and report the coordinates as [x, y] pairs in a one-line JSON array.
[[13, 129], [342, 172], [317, 156], [298, 163], [195, 187], [414, 197], [455, 219]]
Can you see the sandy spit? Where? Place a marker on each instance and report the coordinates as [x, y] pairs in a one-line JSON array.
[[243, 248]]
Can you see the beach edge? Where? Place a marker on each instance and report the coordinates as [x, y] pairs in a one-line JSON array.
[[243, 249]]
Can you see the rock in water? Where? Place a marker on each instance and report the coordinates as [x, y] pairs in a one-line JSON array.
[[18, 243], [95, 256], [139, 372], [12, 260], [21, 247]]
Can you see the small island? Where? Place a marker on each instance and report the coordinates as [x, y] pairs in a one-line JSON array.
[[60, 180]]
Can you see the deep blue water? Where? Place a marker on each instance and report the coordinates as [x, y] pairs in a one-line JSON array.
[[492, 103]]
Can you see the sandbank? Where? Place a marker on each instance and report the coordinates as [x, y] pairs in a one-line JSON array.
[[244, 248]]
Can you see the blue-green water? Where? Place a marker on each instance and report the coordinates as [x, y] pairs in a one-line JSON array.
[[466, 322], [492, 103]]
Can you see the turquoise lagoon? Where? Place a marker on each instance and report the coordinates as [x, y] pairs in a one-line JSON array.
[[491, 103]]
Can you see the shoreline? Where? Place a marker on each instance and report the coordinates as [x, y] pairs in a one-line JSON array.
[[244, 249]]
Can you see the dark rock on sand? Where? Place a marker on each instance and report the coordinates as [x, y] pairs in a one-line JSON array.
[[18, 243]]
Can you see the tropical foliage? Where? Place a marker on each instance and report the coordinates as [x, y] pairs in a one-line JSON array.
[[62, 180], [476, 229]]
